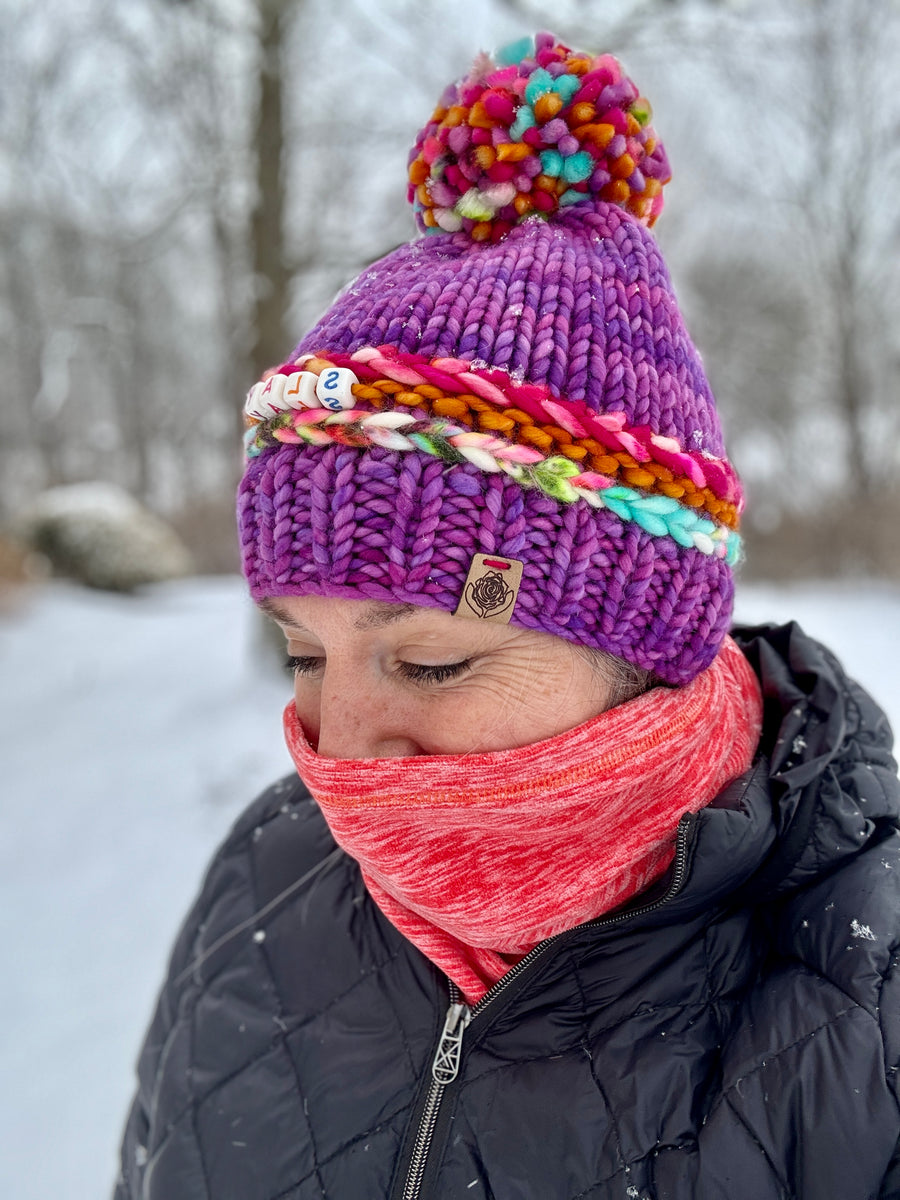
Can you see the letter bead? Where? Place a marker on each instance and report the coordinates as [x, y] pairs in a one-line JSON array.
[[274, 393], [256, 405], [300, 390], [333, 388]]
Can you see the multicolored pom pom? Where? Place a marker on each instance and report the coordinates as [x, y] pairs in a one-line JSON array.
[[536, 128]]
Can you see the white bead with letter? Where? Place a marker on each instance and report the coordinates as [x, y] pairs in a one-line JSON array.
[[333, 388], [300, 390]]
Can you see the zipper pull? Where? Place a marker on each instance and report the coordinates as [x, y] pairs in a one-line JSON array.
[[445, 1067]]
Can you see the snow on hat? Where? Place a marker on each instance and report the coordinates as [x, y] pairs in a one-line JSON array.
[[513, 392]]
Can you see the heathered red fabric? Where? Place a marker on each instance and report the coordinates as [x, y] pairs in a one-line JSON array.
[[477, 858]]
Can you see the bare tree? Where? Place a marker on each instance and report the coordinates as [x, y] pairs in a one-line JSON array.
[[853, 222], [193, 184], [270, 267]]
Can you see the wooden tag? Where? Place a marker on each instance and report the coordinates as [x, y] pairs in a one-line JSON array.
[[491, 587]]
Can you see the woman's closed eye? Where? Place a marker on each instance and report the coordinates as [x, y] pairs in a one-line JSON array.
[[303, 664], [420, 673], [308, 664]]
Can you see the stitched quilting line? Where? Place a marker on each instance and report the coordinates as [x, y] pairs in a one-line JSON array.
[[342, 1148], [277, 1039], [585, 1047], [279, 1006], [199, 1145], [576, 1047], [688, 1147], [890, 1069], [770, 1057], [406, 1046], [854, 1002], [741, 1120], [318, 1162], [289, 1027], [383, 1126], [712, 1007], [185, 1016], [257, 916], [188, 1003]]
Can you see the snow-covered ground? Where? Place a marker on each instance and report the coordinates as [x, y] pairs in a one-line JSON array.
[[134, 730]]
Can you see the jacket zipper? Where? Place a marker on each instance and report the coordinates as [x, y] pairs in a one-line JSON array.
[[447, 1058], [444, 1069]]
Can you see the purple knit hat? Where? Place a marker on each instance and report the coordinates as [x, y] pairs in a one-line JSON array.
[[518, 383]]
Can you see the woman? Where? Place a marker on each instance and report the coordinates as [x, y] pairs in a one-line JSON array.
[[578, 896]]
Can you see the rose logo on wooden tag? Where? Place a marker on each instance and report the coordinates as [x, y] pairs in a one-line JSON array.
[[491, 587]]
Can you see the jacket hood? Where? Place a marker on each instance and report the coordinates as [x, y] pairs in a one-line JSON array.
[[832, 777]]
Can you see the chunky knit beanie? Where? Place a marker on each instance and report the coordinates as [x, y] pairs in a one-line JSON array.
[[506, 418]]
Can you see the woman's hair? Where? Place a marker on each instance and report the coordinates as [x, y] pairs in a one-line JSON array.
[[624, 680]]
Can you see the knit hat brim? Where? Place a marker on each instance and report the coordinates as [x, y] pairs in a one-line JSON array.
[[401, 527]]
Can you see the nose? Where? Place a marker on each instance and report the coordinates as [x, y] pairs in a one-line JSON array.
[[357, 720]]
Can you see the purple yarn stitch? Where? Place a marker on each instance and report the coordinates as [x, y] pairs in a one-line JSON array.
[[587, 577], [583, 305]]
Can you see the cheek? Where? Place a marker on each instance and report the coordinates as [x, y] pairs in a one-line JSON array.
[[488, 715], [306, 703], [559, 698]]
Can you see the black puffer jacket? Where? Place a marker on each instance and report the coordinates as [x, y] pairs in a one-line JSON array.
[[735, 1036]]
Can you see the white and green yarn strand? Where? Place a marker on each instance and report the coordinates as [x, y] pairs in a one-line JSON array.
[[556, 476]]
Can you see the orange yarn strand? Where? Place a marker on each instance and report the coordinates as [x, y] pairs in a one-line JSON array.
[[520, 428]]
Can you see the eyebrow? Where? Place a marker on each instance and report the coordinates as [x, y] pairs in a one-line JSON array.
[[376, 616]]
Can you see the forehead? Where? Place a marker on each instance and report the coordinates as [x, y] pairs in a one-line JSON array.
[[361, 614]]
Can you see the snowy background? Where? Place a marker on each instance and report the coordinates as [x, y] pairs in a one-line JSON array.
[[134, 731]]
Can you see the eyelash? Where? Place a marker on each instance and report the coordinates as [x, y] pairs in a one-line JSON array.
[[414, 672], [417, 673], [305, 665]]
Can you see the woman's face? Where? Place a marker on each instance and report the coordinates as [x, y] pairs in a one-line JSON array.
[[376, 680]]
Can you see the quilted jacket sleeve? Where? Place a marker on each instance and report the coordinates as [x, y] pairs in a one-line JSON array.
[[160, 1058], [137, 1136], [137, 1127], [890, 1189]]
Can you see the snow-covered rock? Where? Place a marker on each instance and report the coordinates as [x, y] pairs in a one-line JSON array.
[[101, 536]]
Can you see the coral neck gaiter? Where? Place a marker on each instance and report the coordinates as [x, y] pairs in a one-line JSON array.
[[476, 858]]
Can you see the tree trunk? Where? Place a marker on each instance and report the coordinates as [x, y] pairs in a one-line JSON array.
[[269, 343]]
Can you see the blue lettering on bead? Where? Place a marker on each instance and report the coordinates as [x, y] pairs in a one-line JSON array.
[[331, 380]]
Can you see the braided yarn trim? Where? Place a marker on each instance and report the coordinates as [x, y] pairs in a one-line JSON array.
[[536, 128], [555, 476], [527, 414]]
